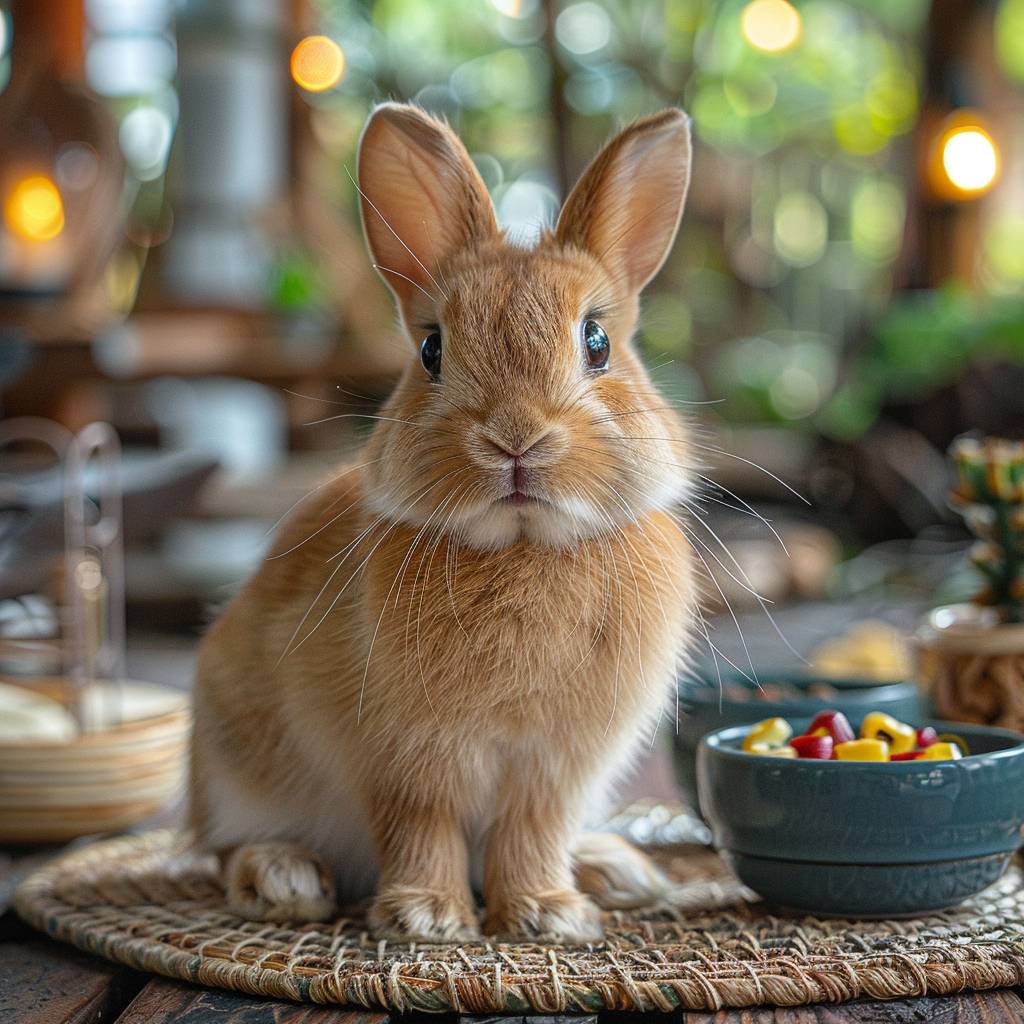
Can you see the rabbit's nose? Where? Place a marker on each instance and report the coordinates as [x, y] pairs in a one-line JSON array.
[[537, 449], [516, 451]]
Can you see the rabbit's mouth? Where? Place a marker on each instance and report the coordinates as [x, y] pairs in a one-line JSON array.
[[518, 497]]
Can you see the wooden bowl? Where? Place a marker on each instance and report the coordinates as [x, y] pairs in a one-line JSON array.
[[101, 781]]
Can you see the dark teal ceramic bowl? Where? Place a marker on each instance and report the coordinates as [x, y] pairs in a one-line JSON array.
[[706, 705], [860, 839]]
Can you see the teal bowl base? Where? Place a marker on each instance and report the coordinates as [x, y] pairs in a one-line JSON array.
[[867, 890]]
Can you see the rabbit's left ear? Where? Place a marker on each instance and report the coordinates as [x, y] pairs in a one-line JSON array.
[[626, 207]]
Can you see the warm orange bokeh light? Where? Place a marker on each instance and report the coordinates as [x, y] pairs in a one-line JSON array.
[[34, 209], [317, 63]]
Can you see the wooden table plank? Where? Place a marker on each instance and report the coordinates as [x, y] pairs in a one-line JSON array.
[[42, 982], [1002, 1006], [173, 1002], [581, 1018]]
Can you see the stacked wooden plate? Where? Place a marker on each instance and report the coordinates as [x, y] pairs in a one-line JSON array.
[[57, 784]]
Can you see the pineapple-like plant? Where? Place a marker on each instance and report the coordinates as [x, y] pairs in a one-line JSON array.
[[989, 493]]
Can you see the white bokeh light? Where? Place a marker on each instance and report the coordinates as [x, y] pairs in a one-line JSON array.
[[583, 28]]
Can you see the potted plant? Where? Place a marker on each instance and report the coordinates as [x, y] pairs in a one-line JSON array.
[[972, 655]]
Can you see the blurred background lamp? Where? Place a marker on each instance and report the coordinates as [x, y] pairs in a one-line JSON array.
[[317, 63], [34, 209], [969, 159], [771, 25]]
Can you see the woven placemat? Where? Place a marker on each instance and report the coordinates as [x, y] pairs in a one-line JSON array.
[[137, 901]]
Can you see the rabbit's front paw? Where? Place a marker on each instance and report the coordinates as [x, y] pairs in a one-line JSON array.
[[563, 916], [426, 915], [615, 874], [278, 882]]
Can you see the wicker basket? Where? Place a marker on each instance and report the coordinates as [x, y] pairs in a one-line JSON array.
[[973, 666], [99, 781]]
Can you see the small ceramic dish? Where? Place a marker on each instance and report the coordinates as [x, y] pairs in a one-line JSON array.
[[706, 704], [865, 839]]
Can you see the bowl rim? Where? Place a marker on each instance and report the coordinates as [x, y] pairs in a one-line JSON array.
[[714, 741], [850, 688]]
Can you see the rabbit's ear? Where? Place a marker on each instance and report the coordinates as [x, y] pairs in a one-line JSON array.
[[625, 209], [421, 199]]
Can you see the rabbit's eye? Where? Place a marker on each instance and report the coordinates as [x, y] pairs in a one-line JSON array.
[[596, 345], [430, 353]]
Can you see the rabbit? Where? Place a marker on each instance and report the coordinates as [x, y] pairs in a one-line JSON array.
[[458, 642]]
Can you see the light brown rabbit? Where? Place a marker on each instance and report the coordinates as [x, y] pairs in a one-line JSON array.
[[457, 643]]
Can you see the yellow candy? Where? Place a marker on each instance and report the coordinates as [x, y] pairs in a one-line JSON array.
[[862, 750], [951, 737], [765, 751], [901, 738], [772, 732], [941, 752]]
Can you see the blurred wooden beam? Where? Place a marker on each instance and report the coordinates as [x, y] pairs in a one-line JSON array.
[[54, 28]]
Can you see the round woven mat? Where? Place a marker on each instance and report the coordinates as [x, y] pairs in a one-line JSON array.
[[137, 901]]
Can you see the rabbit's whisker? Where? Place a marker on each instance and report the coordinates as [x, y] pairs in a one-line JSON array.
[[419, 609], [292, 646], [328, 401], [405, 277], [366, 416], [694, 539], [399, 576], [319, 487], [384, 220], [347, 508]]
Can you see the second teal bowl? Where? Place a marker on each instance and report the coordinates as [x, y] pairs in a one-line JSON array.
[[864, 839]]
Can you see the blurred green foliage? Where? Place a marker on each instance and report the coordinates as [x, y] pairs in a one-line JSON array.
[[797, 209]]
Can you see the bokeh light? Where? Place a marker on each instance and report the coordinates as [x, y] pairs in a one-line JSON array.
[[583, 28], [77, 166], [34, 209], [771, 25], [877, 215], [970, 159], [510, 8], [1009, 38], [145, 137], [800, 228], [317, 63]]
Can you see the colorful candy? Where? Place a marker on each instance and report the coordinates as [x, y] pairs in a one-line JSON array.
[[941, 751], [835, 724], [819, 747], [830, 737], [926, 736], [769, 734], [878, 725], [866, 749]]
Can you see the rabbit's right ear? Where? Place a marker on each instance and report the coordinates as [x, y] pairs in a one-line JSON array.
[[421, 199]]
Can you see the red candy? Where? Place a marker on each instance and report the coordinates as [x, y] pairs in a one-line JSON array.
[[817, 747], [836, 724], [926, 736], [909, 755]]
